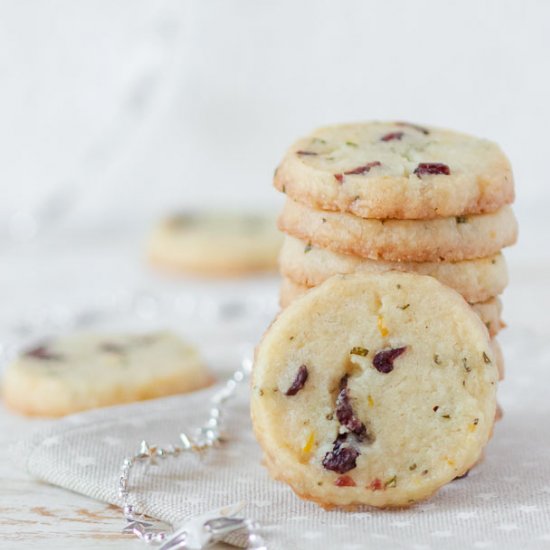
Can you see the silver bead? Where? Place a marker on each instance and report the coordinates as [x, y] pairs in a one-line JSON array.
[[128, 510], [186, 442], [212, 423], [238, 376], [160, 536], [148, 537]]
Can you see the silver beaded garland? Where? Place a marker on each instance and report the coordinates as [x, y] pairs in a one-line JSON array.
[[215, 525]]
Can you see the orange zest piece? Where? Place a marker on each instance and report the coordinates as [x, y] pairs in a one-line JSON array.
[[382, 329], [309, 443]]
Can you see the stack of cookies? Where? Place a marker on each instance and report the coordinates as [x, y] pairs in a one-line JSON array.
[[377, 197]]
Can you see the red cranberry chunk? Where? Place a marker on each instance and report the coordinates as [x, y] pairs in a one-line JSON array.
[[299, 381], [341, 459], [375, 485], [345, 481], [432, 168], [111, 347], [383, 360], [420, 129], [359, 171], [345, 414], [43, 353], [393, 136]]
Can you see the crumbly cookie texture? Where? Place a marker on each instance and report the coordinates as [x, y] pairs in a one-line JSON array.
[[85, 371], [396, 170], [216, 244], [477, 280], [444, 239], [489, 311], [357, 399]]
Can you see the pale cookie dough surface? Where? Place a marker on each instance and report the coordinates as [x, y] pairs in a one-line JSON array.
[[444, 239], [357, 400], [378, 170], [215, 244], [489, 311], [85, 371], [477, 280]]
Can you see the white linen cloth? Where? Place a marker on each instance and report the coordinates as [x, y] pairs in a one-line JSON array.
[[504, 503]]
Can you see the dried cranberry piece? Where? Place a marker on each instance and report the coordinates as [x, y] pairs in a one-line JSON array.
[[306, 153], [383, 360], [375, 485], [299, 381], [345, 481], [424, 131], [363, 169], [111, 347], [359, 171], [432, 168], [43, 353], [392, 136], [341, 459], [345, 414]]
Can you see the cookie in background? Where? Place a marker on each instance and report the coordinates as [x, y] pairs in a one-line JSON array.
[[215, 244], [89, 370]]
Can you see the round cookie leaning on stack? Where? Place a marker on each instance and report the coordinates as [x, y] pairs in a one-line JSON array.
[[358, 400]]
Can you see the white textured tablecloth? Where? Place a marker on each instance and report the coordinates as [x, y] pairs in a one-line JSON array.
[[504, 503]]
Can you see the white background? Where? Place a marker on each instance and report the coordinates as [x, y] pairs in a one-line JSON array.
[[145, 106]]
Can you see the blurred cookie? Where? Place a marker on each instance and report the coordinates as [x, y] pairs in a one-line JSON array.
[[396, 170], [477, 280], [358, 400], [85, 371], [218, 244], [489, 311], [442, 239]]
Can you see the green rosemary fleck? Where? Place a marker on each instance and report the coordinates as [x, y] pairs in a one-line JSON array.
[[363, 352], [392, 482]]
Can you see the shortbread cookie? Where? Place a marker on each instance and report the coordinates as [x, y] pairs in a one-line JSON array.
[[443, 239], [396, 170], [357, 399], [85, 371], [216, 244], [489, 311], [477, 280]]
